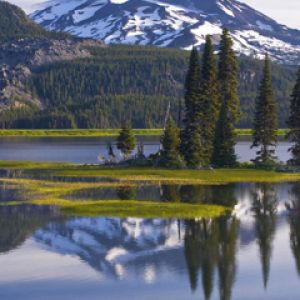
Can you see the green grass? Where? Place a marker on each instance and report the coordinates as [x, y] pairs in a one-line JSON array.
[[75, 132], [146, 175], [47, 192], [219, 176], [248, 132], [30, 165], [97, 132], [43, 192], [145, 209]]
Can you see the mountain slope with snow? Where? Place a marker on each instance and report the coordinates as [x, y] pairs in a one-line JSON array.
[[177, 23]]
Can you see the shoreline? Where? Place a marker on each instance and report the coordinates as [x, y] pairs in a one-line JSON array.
[[136, 175], [40, 133]]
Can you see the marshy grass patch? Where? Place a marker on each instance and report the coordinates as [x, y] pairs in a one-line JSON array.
[[145, 209], [40, 192], [205, 177], [49, 192]]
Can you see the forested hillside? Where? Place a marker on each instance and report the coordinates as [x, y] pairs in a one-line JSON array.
[[15, 24], [113, 84], [130, 83]]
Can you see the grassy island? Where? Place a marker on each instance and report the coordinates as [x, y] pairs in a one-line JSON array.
[[148, 175], [53, 183], [47, 192]]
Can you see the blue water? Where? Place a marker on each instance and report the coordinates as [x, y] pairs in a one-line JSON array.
[[88, 150], [252, 253]]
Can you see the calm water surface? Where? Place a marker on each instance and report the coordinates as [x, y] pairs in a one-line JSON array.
[[87, 150], [252, 253]]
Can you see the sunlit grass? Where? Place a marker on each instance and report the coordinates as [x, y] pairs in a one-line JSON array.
[[74, 132], [148, 175], [49, 192], [145, 209], [219, 176], [97, 132], [41, 192]]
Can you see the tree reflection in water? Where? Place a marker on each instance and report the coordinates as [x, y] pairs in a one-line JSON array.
[[293, 208], [126, 193], [211, 245], [264, 208], [17, 223]]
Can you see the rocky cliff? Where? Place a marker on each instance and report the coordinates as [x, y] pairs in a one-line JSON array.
[[19, 58]]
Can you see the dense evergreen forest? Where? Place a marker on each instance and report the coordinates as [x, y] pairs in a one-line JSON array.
[[15, 24], [131, 83], [118, 83]]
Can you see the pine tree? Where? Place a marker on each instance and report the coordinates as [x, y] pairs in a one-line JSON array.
[[224, 142], [126, 141], [192, 85], [194, 156], [210, 99], [224, 152], [191, 133], [294, 123], [265, 119], [170, 154]]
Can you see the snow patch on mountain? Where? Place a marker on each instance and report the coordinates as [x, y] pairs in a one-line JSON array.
[[226, 10], [264, 26], [178, 23], [204, 29]]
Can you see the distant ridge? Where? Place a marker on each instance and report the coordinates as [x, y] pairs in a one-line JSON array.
[[176, 23], [15, 24]]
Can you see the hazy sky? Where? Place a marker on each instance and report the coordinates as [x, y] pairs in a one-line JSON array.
[[286, 12]]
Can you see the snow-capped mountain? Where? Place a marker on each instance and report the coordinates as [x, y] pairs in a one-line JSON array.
[[172, 23]]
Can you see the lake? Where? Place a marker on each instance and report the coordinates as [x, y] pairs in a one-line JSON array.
[[252, 253], [84, 150]]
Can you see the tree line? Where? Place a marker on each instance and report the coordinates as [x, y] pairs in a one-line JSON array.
[[205, 134], [129, 83], [212, 107]]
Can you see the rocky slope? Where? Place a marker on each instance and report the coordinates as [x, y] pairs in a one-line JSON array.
[[25, 46], [176, 23], [19, 58]]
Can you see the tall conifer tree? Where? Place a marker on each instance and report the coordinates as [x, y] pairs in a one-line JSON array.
[[210, 99], [265, 119], [126, 141], [224, 152], [191, 134], [170, 154], [294, 122]]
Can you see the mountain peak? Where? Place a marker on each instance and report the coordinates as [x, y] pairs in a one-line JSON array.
[[176, 23]]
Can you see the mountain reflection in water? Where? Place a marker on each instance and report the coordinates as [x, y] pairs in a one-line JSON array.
[[252, 253]]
